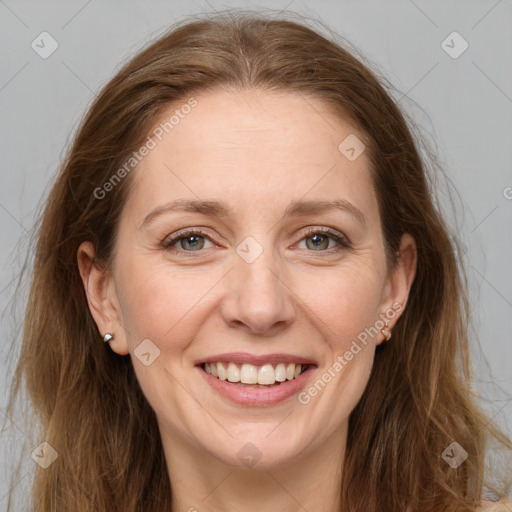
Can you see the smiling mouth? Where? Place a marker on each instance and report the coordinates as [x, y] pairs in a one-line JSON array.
[[248, 375]]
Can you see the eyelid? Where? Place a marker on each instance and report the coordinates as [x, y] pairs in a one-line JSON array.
[[325, 229], [173, 238]]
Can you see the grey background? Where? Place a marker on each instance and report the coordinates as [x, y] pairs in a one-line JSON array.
[[464, 104]]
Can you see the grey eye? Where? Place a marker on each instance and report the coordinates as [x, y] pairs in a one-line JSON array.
[[191, 242], [318, 242]]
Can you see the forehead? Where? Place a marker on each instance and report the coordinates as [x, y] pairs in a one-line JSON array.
[[251, 148]]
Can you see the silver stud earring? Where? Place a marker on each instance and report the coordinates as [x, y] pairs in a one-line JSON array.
[[108, 337]]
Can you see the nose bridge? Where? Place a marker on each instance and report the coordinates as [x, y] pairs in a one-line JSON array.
[[260, 277], [257, 297]]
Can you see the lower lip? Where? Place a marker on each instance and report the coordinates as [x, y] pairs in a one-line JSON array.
[[257, 397]]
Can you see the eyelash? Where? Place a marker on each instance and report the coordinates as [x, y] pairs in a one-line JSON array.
[[343, 242]]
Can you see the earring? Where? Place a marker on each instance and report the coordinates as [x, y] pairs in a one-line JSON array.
[[386, 331], [108, 337]]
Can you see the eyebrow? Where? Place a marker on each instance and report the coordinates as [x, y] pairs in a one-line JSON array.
[[221, 209]]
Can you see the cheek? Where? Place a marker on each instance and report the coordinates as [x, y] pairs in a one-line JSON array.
[[164, 305], [345, 313], [168, 308], [345, 301]]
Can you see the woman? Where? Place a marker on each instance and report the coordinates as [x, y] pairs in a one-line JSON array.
[[243, 295]]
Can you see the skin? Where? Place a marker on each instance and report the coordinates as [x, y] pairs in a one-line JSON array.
[[258, 152]]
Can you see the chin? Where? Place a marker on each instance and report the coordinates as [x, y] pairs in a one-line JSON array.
[[260, 452]]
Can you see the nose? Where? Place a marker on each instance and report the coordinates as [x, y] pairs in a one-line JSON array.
[[258, 300]]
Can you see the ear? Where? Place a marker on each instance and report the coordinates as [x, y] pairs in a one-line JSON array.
[[399, 281], [102, 298]]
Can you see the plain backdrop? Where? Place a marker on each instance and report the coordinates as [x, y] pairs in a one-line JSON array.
[[462, 101]]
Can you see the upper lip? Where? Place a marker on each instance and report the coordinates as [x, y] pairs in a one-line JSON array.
[[256, 360]]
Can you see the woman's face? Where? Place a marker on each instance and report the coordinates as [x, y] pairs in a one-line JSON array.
[[251, 238]]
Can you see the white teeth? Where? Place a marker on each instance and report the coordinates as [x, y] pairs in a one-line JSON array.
[[280, 372], [266, 374], [249, 374], [233, 373], [221, 371]]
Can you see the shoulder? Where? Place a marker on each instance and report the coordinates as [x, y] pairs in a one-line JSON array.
[[496, 506]]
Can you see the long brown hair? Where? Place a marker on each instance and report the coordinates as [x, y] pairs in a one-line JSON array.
[[86, 398]]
